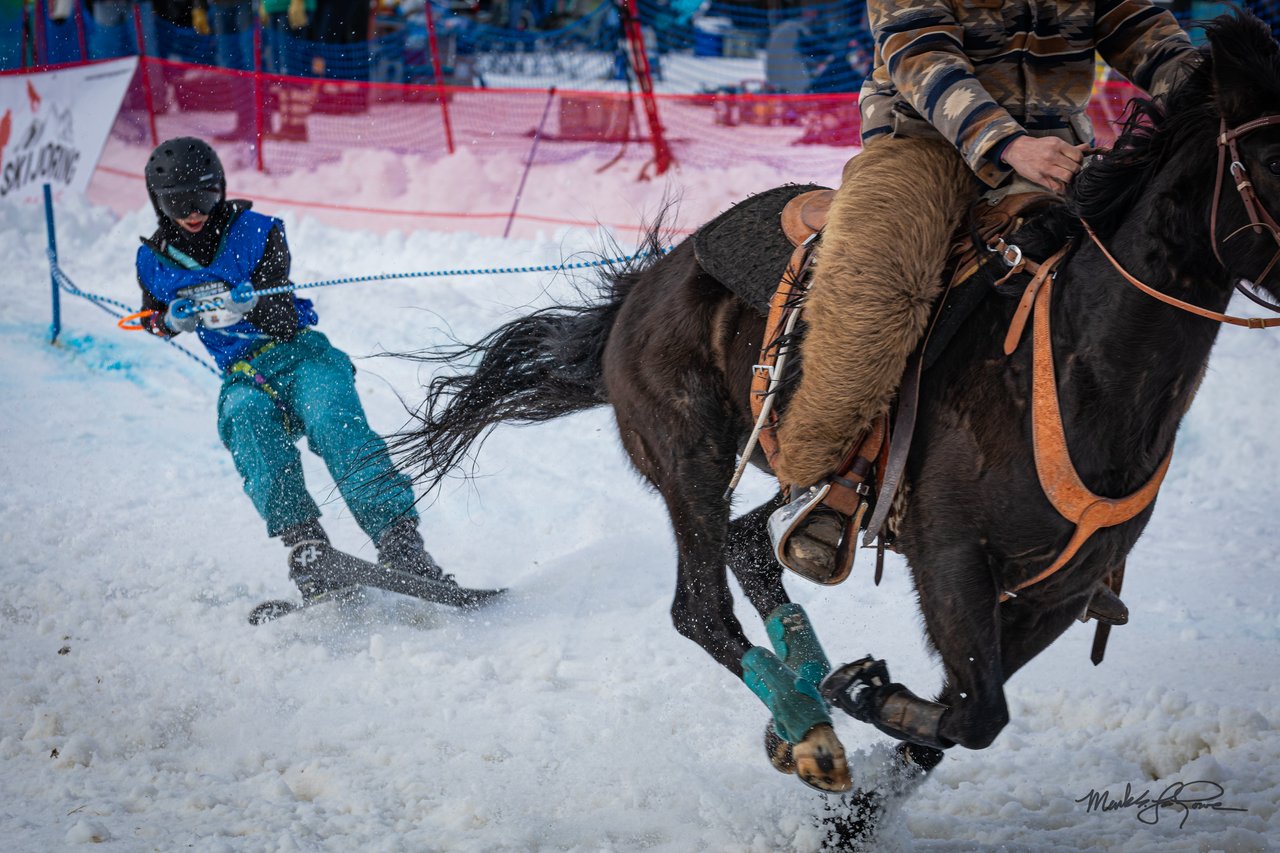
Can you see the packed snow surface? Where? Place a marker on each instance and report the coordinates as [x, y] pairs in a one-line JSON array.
[[140, 711]]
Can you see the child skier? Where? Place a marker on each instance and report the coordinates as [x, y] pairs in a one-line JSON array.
[[282, 379]]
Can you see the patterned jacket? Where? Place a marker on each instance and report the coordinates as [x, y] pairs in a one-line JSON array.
[[983, 72]]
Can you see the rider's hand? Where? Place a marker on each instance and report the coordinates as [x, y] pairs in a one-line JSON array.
[[181, 316], [297, 14], [200, 21], [241, 299], [1045, 160]]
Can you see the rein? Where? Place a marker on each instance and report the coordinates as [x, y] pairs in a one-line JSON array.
[[1244, 322], [1260, 221]]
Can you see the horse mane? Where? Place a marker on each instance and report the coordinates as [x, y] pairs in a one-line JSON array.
[[1150, 133], [1239, 48]]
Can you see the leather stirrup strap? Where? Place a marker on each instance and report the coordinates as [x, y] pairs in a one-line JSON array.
[[1114, 581], [786, 299]]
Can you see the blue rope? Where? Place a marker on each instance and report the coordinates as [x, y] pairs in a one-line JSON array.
[[103, 301], [456, 273]]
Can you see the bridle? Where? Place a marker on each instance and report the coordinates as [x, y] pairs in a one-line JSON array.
[[1259, 217], [1260, 221]]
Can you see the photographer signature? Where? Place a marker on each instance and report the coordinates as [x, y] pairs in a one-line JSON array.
[[1175, 796]]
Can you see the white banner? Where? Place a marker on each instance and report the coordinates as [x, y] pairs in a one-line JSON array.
[[54, 125]]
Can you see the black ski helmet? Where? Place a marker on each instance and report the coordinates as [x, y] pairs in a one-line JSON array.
[[184, 175]]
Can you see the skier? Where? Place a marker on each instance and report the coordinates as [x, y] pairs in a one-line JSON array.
[[282, 379]]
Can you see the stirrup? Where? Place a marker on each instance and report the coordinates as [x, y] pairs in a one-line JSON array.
[[791, 517]]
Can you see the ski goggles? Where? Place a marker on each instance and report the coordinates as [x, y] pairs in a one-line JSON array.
[[181, 202]]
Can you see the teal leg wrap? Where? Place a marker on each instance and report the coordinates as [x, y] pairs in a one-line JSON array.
[[793, 701], [795, 641]]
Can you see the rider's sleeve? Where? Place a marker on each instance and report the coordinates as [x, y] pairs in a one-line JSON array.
[[922, 46], [1144, 43], [275, 314], [153, 322]]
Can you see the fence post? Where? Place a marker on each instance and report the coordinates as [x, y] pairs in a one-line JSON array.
[[259, 96], [145, 67], [56, 325], [533, 152], [23, 36], [42, 34], [662, 158], [80, 36], [438, 73]]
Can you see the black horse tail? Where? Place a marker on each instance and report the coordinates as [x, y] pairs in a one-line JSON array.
[[537, 368]]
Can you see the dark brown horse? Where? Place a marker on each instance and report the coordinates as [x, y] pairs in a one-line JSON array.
[[671, 349]]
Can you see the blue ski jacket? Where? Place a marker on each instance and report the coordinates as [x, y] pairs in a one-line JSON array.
[[171, 275]]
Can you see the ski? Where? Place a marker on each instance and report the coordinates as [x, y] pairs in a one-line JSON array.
[[277, 607], [344, 574]]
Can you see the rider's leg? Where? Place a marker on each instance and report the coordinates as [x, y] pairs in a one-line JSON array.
[[253, 429], [320, 388], [877, 274]]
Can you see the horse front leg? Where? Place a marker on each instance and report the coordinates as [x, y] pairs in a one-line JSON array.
[[749, 556], [962, 616]]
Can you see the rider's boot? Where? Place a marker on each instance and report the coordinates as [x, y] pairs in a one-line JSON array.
[[312, 562], [806, 534], [400, 547]]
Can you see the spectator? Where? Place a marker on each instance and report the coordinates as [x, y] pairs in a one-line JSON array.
[[114, 31], [173, 23], [231, 23], [789, 65], [288, 34], [341, 22], [286, 24]]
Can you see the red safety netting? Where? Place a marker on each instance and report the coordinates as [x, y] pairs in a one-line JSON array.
[[394, 156]]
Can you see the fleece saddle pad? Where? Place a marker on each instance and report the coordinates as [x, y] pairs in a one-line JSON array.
[[744, 247]]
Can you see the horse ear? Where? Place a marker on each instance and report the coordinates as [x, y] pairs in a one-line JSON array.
[[1246, 67]]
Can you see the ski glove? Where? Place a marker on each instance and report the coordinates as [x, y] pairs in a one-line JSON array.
[[241, 299], [181, 316]]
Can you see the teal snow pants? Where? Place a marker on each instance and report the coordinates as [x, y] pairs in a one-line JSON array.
[[315, 390]]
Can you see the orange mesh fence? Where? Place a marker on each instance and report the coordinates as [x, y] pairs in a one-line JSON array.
[[378, 155]]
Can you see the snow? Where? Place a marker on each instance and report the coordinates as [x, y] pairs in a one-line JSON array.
[[141, 712]]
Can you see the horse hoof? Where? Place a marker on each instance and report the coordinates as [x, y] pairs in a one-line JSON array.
[[779, 751], [811, 550], [820, 762]]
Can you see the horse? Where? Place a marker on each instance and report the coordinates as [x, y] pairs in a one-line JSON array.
[[1156, 234]]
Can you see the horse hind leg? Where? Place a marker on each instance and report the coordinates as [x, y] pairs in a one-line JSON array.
[[786, 678]]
